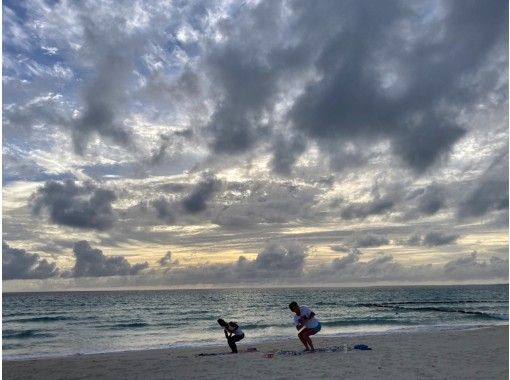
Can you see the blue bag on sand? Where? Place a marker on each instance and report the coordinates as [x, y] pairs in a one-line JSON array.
[[362, 347]]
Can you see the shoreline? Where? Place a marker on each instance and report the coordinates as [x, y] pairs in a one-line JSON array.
[[259, 341], [454, 354]]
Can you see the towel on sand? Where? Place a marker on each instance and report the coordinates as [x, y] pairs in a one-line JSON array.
[[322, 349], [362, 347]]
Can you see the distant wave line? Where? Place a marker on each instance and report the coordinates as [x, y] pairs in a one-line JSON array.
[[439, 309], [433, 302], [24, 334]]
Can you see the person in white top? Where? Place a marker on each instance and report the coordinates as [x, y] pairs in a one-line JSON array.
[[233, 333], [305, 319]]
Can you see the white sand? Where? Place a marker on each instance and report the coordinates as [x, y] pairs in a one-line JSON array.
[[467, 354]]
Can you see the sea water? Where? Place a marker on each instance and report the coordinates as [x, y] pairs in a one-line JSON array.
[[70, 323]]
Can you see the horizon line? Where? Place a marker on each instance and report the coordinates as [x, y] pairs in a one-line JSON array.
[[329, 286]]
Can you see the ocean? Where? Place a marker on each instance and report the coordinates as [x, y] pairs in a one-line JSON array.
[[71, 323]]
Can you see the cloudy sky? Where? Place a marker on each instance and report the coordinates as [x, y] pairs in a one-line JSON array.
[[194, 143]]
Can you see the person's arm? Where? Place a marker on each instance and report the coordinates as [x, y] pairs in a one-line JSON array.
[[298, 323], [307, 313], [233, 326], [301, 322]]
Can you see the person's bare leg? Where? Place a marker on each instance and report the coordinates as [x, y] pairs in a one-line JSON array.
[[311, 345], [303, 340], [306, 337]]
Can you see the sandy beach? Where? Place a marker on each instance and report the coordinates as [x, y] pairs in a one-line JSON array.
[[455, 354]]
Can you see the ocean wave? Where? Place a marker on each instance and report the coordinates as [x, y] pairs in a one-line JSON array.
[[24, 334], [185, 316], [432, 302], [128, 325], [42, 319], [11, 346], [438, 309], [249, 326], [363, 322], [323, 303], [15, 314], [169, 324]]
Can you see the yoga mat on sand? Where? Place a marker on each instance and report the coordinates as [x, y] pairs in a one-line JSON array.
[[297, 353]]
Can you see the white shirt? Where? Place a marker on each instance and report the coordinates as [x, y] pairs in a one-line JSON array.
[[235, 331], [304, 311]]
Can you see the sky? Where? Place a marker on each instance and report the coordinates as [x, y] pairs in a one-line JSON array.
[[254, 143]]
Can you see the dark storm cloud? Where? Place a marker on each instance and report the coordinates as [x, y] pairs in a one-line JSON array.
[[20, 264], [158, 154], [234, 205], [196, 201], [286, 263], [167, 261], [248, 71], [91, 262], [487, 196], [173, 187], [415, 239], [100, 106], [184, 133], [398, 80], [395, 79], [431, 239], [428, 200], [350, 268], [489, 192], [278, 257], [421, 145], [112, 52], [285, 153], [165, 210], [340, 248], [464, 267], [365, 241], [55, 247], [71, 204], [276, 262], [351, 258], [342, 156], [370, 241], [244, 205], [362, 210]]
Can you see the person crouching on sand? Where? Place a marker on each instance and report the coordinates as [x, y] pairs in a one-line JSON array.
[[233, 333], [304, 317]]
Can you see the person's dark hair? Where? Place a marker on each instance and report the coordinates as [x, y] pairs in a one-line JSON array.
[[292, 304], [222, 322]]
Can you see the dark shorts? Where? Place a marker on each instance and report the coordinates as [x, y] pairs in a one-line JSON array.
[[317, 328]]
